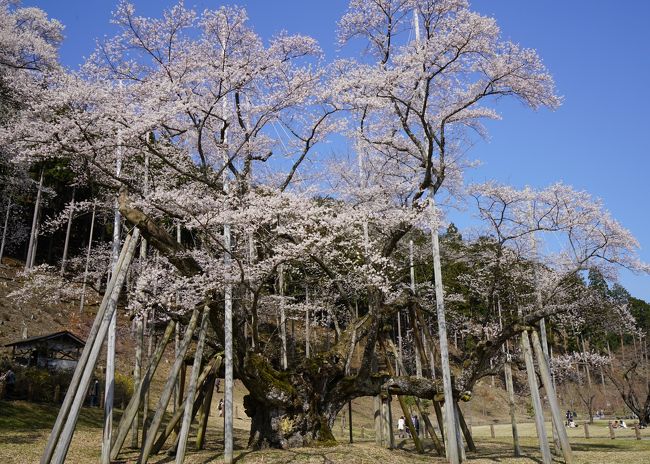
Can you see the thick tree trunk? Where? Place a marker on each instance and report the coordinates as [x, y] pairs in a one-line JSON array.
[[296, 406], [286, 427]]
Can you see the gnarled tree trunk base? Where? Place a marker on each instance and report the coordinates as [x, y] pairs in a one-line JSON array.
[[279, 427]]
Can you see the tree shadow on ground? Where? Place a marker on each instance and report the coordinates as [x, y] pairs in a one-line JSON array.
[[23, 415]]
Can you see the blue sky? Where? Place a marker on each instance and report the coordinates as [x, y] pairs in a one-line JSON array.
[[596, 50]]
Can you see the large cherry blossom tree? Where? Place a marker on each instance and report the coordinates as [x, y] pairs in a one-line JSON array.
[[228, 130]]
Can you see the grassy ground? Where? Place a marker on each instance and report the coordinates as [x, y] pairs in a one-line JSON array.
[[24, 428]]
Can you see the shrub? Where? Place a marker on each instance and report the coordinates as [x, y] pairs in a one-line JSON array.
[[123, 389], [37, 384]]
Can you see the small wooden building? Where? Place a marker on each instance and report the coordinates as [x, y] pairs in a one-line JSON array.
[[56, 351]]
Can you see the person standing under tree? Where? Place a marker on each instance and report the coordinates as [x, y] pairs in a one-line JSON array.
[[569, 417], [10, 382], [94, 394], [400, 427], [416, 424]]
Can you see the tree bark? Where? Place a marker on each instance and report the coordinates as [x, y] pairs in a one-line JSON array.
[[295, 407]]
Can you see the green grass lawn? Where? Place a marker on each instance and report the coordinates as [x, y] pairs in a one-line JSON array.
[[24, 428]]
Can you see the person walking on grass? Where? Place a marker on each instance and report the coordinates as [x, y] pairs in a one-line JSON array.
[[401, 422]]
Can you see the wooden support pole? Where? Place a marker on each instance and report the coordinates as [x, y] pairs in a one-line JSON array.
[[137, 376], [214, 365], [152, 339], [228, 439], [637, 432], [437, 444], [307, 323], [4, 229], [204, 411], [491, 430], [466, 432], [537, 403], [90, 244], [402, 403], [129, 414], [385, 442], [111, 340], [195, 410], [428, 342], [167, 390], [283, 319], [409, 423], [33, 235], [507, 371], [178, 387], [387, 422], [350, 420], [584, 350], [177, 393], [611, 432], [511, 406], [179, 396], [453, 447], [459, 437], [420, 352], [552, 399], [587, 430], [191, 390], [439, 419], [378, 419], [173, 422], [67, 234], [83, 361], [61, 436]]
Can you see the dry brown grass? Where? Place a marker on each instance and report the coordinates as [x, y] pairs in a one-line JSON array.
[[24, 429]]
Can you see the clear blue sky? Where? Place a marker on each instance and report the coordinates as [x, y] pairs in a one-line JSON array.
[[597, 51]]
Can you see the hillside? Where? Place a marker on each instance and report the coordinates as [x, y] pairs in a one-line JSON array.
[[488, 405]]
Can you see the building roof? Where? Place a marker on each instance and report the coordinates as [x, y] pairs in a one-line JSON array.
[[53, 336]]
